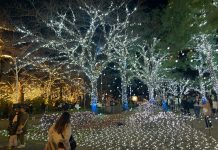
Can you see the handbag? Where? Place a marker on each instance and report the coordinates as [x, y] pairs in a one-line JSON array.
[[71, 141]]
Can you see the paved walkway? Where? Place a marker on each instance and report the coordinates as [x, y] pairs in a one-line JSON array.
[[31, 145], [200, 125]]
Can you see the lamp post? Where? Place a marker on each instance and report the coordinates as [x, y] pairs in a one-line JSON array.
[[16, 73]]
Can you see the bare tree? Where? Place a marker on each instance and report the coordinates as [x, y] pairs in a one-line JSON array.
[[148, 66], [86, 35]]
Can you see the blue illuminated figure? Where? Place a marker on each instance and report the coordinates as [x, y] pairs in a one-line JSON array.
[[204, 100], [164, 104], [94, 105], [125, 106], [152, 101]]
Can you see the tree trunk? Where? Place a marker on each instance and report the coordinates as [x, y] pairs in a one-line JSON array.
[[20, 93], [48, 90], [124, 86], [151, 92], [124, 93], [21, 97], [216, 87], [202, 88], [94, 95], [212, 72], [61, 92]]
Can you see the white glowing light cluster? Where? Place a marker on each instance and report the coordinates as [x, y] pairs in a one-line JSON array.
[[144, 128], [179, 87], [78, 119], [147, 66], [39, 132], [206, 61], [215, 3], [84, 41], [20, 63], [21, 68]]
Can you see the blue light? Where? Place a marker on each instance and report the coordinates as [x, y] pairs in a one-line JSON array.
[[152, 101], [94, 105], [94, 108], [164, 105], [204, 100], [125, 106]]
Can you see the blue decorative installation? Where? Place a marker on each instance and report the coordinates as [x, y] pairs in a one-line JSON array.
[[152, 101], [204, 100], [94, 105], [164, 105], [125, 105]]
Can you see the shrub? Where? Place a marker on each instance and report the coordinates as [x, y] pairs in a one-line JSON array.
[[5, 107], [36, 104]]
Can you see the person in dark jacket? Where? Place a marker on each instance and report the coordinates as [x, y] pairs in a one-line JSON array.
[[197, 106], [186, 105], [22, 126], [12, 128]]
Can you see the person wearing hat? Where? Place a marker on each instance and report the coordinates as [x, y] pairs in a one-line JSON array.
[[22, 126]]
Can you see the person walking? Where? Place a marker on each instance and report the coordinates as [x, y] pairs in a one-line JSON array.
[[172, 104], [206, 112], [197, 106], [215, 107], [59, 133], [12, 128], [186, 105], [23, 118]]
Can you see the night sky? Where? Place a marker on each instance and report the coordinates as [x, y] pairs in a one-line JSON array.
[[148, 5]]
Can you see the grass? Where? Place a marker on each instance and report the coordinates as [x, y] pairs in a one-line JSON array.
[[3, 124]]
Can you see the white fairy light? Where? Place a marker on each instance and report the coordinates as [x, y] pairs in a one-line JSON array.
[[206, 54], [61, 24], [149, 70]]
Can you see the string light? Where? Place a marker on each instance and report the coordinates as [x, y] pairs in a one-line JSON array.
[[206, 54], [145, 128], [76, 39], [149, 70]]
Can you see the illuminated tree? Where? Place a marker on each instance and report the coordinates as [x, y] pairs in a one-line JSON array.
[[147, 66], [85, 35], [206, 60], [19, 66], [179, 88], [120, 42], [186, 22]]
